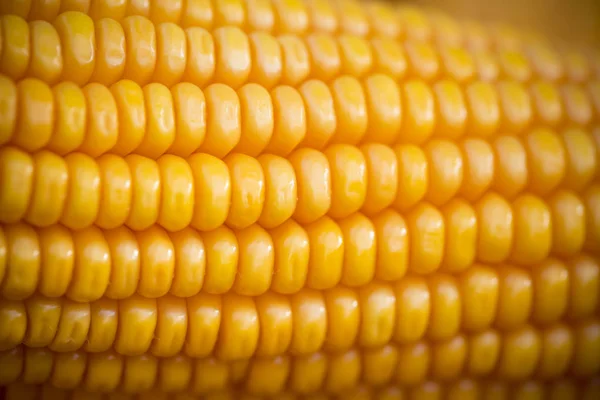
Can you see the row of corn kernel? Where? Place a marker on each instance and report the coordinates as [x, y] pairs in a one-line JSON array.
[[320, 255], [153, 120], [112, 53], [296, 17], [464, 389], [77, 190], [514, 356], [436, 307], [195, 55], [320, 16], [47, 51]]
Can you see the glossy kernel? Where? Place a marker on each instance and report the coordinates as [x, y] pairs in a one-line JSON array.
[[584, 292], [413, 176], [78, 42], [382, 177], [351, 109], [255, 264], [232, 60], [413, 305], [247, 190], [223, 128], [16, 46], [384, 108], [140, 37], [483, 106], [479, 287], [460, 223], [326, 258], [426, 229], [532, 230], [581, 160], [17, 170], [511, 168], [289, 121], [451, 109], [392, 240], [495, 224], [446, 304], [550, 290], [313, 178], [418, 112], [111, 51], [478, 168], [291, 252], [445, 167], [348, 179], [515, 297], [520, 354], [568, 223]]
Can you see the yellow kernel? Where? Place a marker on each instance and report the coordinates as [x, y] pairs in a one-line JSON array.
[[16, 46], [291, 248], [584, 276], [520, 353], [140, 39], [295, 57], [232, 61], [461, 235], [451, 109], [171, 53], [445, 166], [351, 110], [313, 177], [495, 224], [17, 170], [289, 121], [382, 177], [515, 104], [36, 115], [359, 250], [46, 61], [392, 242], [532, 230], [546, 160], [223, 120], [422, 60], [479, 286], [49, 189], [326, 259], [413, 176], [568, 223], [446, 307], [247, 190], [201, 62], [189, 106], [321, 120], [484, 109], [550, 291], [111, 51], [348, 179]]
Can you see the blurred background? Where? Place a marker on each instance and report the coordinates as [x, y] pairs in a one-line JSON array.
[[575, 20]]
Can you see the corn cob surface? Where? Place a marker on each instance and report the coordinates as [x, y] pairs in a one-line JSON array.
[[295, 200]]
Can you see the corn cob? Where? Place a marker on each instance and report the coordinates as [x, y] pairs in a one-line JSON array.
[[286, 199]]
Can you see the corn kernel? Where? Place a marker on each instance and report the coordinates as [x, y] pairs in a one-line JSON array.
[[111, 51]]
